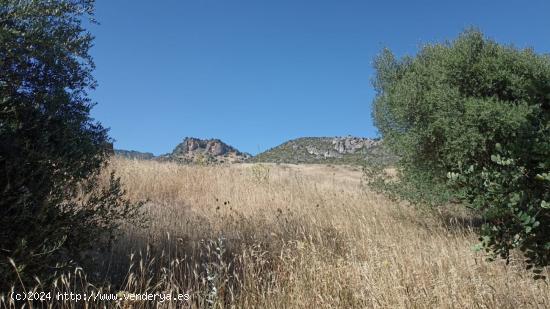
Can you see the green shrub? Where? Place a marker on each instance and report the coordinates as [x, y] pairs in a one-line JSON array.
[[52, 206], [470, 119]]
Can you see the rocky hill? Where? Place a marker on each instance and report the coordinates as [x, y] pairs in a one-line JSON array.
[[329, 150], [210, 151]]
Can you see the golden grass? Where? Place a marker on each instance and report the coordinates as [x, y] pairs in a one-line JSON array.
[[289, 236]]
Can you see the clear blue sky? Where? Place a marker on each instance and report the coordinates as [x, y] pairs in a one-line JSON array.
[[256, 73]]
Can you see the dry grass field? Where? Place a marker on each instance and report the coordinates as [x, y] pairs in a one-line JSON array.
[[308, 236]]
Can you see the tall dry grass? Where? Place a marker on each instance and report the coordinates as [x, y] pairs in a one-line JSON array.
[[286, 236]]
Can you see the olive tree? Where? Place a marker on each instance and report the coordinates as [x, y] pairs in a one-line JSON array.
[[52, 204], [470, 120]]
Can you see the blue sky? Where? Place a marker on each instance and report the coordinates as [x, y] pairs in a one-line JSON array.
[[256, 73]]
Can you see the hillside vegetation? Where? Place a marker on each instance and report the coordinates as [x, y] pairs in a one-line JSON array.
[[299, 236]]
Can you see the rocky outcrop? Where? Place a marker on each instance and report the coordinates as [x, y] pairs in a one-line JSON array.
[[350, 144], [341, 146], [205, 151], [193, 150], [331, 153]]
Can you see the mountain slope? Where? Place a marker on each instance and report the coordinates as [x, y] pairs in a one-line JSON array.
[[328, 150], [132, 154]]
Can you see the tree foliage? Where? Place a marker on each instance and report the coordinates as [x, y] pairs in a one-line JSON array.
[[470, 119], [51, 152]]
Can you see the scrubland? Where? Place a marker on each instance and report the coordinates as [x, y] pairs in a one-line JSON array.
[[298, 236]]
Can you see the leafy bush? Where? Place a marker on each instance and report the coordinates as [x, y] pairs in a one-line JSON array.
[[52, 206], [470, 119]]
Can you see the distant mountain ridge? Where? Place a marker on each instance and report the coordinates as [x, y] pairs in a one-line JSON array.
[[132, 154], [328, 150], [304, 150]]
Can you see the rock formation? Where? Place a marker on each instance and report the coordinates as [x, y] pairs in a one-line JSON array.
[[205, 151]]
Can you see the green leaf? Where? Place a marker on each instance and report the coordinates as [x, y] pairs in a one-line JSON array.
[[477, 247]]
